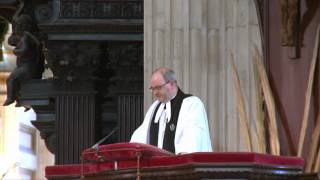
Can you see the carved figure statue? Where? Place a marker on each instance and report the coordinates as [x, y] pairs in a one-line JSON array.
[[30, 59], [289, 22]]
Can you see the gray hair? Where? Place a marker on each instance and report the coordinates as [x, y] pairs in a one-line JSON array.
[[167, 74]]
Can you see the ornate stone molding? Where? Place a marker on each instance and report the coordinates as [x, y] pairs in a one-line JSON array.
[[108, 9]]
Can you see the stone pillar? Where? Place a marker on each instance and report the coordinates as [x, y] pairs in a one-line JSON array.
[[3, 77], [195, 38]]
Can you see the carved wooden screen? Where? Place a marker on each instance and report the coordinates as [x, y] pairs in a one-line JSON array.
[[130, 114]]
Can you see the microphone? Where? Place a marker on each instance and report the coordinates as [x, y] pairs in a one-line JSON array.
[[96, 146], [104, 138]]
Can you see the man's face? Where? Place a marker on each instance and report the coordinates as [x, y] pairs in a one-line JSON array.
[[159, 87]]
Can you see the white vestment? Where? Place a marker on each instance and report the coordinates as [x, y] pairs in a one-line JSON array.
[[192, 131]]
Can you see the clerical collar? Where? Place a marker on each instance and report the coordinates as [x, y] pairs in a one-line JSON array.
[[168, 109]]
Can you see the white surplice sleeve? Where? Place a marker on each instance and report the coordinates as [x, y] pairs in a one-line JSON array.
[[192, 133]]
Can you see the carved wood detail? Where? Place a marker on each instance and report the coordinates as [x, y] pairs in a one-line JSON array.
[[94, 49]]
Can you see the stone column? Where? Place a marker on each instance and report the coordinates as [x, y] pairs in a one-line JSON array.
[[3, 77], [195, 38]]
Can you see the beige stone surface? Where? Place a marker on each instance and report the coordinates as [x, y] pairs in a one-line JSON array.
[[45, 157], [195, 38]]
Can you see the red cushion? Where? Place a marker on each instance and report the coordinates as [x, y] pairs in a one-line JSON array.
[[123, 151]]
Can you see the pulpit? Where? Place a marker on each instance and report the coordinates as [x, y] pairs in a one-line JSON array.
[[140, 161]]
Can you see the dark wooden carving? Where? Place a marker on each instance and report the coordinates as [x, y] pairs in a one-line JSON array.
[[128, 122], [28, 50], [126, 63], [8, 8], [112, 9], [74, 61], [75, 125], [95, 52]]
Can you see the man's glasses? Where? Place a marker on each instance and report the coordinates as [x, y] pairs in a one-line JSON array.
[[158, 87]]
